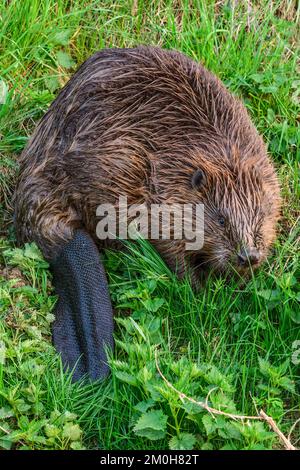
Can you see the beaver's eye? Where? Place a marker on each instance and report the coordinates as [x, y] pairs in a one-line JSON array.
[[198, 179], [221, 221]]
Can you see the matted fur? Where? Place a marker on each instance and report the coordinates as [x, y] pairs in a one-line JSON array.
[[139, 122]]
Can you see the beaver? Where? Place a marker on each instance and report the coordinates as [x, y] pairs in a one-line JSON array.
[[157, 127]]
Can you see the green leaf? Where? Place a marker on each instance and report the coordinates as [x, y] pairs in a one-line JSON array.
[[151, 285], [181, 366], [152, 305], [283, 367], [23, 422], [67, 416], [64, 60], [21, 406], [32, 251], [229, 431], [209, 424], [223, 402], [275, 408], [207, 446], [257, 77], [264, 367], [62, 37], [152, 424], [185, 441], [228, 447], [120, 365], [51, 430], [30, 291], [55, 416], [270, 390], [286, 281], [72, 431], [254, 432], [297, 297], [287, 384], [5, 442], [143, 406], [52, 84], [6, 412], [193, 408], [257, 447], [295, 314], [271, 117], [127, 378], [214, 377], [269, 89], [269, 294], [76, 445]]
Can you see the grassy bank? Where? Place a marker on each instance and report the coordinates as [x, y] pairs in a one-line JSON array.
[[234, 345]]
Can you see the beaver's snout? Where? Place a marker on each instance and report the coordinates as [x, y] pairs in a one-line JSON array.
[[248, 256]]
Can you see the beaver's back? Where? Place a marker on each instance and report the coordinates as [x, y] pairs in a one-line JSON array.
[[153, 96], [127, 122]]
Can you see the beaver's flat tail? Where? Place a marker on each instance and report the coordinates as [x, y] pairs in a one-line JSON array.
[[83, 326]]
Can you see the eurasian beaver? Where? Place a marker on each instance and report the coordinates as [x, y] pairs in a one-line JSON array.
[[142, 122], [157, 127]]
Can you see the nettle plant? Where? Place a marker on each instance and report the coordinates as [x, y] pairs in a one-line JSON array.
[[158, 376], [169, 388], [164, 414], [32, 383]]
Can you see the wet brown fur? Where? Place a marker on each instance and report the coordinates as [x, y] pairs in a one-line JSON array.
[[139, 122]]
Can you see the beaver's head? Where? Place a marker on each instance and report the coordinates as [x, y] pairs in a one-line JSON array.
[[241, 208], [241, 201]]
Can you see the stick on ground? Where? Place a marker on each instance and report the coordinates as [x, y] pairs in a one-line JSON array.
[[262, 415]]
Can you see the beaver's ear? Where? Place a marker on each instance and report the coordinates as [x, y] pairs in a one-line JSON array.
[[198, 179]]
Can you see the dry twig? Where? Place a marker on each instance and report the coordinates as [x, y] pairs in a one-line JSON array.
[[262, 415]]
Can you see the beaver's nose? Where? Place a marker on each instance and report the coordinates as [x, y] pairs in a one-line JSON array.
[[248, 256]]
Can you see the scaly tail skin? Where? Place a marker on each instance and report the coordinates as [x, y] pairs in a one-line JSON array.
[[83, 326]]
